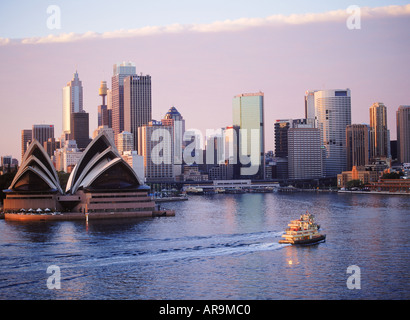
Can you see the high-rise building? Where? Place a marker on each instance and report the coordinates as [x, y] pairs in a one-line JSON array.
[[403, 134], [305, 160], [42, 132], [379, 135], [281, 128], [67, 156], [125, 142], [137, 104], [26, 136], [156, 146], [248, 114], [80, 129], [332, 115], [51, 145], [357, 145], [72, 101], [116, 96], [174, 118], [310, 104]]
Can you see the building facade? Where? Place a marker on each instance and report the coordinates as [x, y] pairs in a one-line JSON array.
[[80, 128], [305, 157], [357, 145], [116, 95], [157, 147], [379, 135], [125, 142], [403, 133], [42, 132], [332, 110], [26, 136], [137, 104], [72, 101]]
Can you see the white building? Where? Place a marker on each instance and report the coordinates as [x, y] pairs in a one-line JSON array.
[[67, 157], [136, 162]]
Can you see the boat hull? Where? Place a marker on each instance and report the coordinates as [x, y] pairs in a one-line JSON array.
[[317, 239]]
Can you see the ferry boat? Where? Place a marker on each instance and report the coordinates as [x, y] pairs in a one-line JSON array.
[[303, 231]]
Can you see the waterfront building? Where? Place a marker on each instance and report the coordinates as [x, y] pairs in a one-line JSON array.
[[305, 156], [156, 145], [379, 135], [332, 110], [80, 129], [282, 147], [116, 95], [248, 115], [137, 104], [72, 101], [26, 136], [357, 145], [403, 133], [357, 173], [192, 173], [390, 185], [102, 185]]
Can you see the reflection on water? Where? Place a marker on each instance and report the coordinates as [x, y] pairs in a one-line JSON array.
[[216, 247]]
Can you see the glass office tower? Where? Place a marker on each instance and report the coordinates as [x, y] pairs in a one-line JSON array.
[[333, 114], [72, 101], [248, 115]]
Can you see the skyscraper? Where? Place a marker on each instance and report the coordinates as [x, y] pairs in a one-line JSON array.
[[156, 146], [26, 136], [379, 135], [80, 129], [42, 132], [137, 104], [175, 119], [332, 115], [357, 145], [72, 101], [248, 114], [116, 97], [305, 159], [403, 134]]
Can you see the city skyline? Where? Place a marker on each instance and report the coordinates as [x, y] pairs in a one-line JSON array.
[[202, 71]]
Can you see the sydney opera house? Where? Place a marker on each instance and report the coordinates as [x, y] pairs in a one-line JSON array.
[[102, 185]]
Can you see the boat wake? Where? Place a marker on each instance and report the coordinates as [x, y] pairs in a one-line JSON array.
[[191, 248]]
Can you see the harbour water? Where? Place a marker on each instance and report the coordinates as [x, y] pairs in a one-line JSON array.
[[217, 247]]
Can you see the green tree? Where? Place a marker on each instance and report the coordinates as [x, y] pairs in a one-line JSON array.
[[354, 184], [63, 177]]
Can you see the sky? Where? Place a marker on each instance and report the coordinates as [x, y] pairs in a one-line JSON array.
[[199, 55]]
